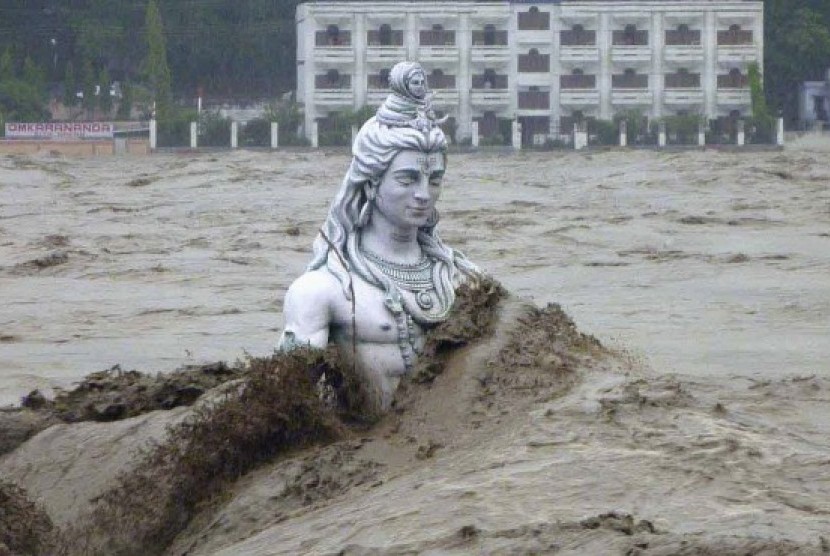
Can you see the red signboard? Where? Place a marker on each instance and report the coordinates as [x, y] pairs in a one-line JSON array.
[[69, 130]]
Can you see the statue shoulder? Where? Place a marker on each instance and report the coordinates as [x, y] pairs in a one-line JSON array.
[[314, 286]]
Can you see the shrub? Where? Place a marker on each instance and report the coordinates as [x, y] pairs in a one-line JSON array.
[[174, 130], [214, 130], [256, 133], [603, 132], [682, 129]]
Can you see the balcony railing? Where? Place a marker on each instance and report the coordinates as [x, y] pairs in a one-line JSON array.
[[630, 38], [732, 38], [376, 38], [437, 38], [529, 21], [682, 80], [540, 63], [489, 82], [328, 83], [578, 81], [578, 38], [324, 38], [377, 81], [441, 81], [682, 38], [534, 100], [629, 81], [489, 38], [733, 81]]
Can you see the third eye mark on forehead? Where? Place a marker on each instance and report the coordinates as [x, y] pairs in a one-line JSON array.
[[414, 173]]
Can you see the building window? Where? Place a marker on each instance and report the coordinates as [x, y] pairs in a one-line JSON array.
[[533, 62], [733, 80], [577, 80], [489, 36], [735, 36], [437, 36], [629, 79], [332, 79], [682, 36], [534, 99], [438, 80], [333, 36], [385, 35], [534, 20], [682, 79], [489, 80], [630, 36], [578, 36]]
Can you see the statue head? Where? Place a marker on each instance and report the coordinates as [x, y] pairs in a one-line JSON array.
[[404, 121]]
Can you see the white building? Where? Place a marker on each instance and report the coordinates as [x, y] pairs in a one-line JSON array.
[[814, 103], [543, 63]]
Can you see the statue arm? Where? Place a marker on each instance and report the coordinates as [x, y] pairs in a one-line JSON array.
[[307, 311]]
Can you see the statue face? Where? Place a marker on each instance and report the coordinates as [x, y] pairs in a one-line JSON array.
[[410, 188], [417, 84]]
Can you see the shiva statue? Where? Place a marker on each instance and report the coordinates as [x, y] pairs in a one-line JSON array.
[[380, 275]]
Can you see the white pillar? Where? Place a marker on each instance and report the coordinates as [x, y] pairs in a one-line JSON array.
[[474, 133], [623, 133], [193, 135], [605, 68], [275, 135], [661, 134], [153, 134], [779, 135], [580, 136], [709, 79], [741, 136], [656, 77], [517, 135], [315, 134], [359, 49], [463, 81], [234, 135], [701, 134], [354, 133]]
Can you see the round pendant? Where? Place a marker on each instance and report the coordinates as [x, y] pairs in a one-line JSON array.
[[424, 300]]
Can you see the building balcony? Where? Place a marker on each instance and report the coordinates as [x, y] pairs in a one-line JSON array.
[[490, 97], [627, 54], [534, 100], [579, 54], [376, 97], [379, 38], [437, 38], [533, 79], [683, 53], [534, 63], [579, 98], [489, 55], [686, 37], [631, 97], [577, 82], [338, 55], [629, 38], [338, 97], [735, 37], [337, 38], [390, 55], [577, 38], [530, 21], [683, 97], [434, 54], [746, 53], [445, 98], [734, 97], [533, 37], [489, 38]]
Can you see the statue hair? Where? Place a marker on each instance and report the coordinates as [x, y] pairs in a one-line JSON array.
[[374, 148]]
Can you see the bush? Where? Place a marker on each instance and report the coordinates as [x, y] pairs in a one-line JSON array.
[[214, 130], [256, 133], [761, 130], [174, 130], [637, 128], [603, 132], [682, 129]]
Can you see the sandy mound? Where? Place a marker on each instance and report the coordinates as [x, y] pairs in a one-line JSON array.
[[537, 439]]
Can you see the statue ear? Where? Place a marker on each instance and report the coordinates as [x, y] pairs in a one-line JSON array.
[[371, 190]]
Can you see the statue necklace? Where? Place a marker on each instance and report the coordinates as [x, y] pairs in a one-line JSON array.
[[414, 277]]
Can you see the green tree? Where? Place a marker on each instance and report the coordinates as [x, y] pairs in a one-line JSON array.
[[796, 49], [89, 102], [156, 70], [125, 106], [105, 100], [70, 86], [6, 65], [33, 75]]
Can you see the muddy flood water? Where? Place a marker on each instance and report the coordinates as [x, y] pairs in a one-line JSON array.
[[701, 263], [701, 427]]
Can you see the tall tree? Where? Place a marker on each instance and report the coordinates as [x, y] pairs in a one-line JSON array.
[[156, 70], [104, 98], [70, 86], [89, 101]]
